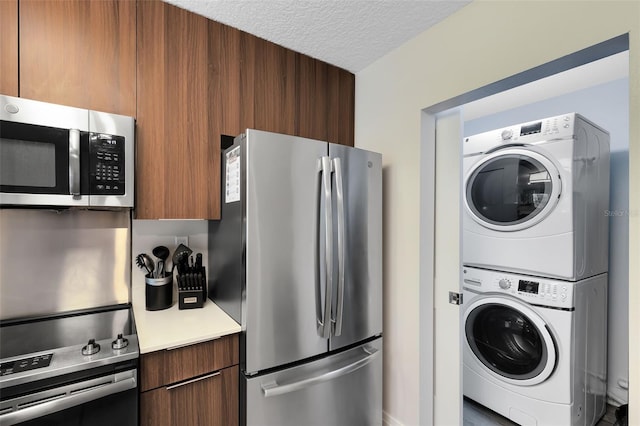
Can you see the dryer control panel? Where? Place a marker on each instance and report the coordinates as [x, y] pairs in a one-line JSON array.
[[534, 290], [529, 133]]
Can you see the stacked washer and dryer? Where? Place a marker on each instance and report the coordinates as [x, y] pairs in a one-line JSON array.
[[535, 263]]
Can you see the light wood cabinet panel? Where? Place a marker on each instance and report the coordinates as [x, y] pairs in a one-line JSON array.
[[165, 367], [9, 47], [210, 400], [79, 53]]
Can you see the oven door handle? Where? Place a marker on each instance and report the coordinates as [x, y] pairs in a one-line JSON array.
[[71, 396]]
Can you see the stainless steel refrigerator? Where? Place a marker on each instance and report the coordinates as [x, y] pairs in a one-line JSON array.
[[296, 259]]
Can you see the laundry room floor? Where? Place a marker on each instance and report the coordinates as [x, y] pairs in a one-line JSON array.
[[475, 414]]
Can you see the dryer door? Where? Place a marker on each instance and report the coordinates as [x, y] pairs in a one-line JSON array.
[[510, 340], [512, 189]]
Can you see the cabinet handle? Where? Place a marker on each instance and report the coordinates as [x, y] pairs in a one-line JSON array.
[[197, 379]]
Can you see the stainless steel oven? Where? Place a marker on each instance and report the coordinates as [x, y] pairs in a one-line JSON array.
[[78, 368], [55, 155]]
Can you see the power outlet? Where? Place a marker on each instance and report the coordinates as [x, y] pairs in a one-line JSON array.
[[182, 240]]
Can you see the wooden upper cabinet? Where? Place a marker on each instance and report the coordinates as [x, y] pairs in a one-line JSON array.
[[197, 80], [178, 138], [80, 53], [274, 105], [9, 47]]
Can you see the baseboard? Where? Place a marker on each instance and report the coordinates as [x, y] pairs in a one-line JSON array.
[[388, 420]]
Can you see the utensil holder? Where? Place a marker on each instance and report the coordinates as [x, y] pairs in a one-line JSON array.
[[158, 292]]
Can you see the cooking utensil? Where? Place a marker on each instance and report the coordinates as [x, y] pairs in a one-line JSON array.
[[178, 254], [160, 269], [162, 253], [144, 261]]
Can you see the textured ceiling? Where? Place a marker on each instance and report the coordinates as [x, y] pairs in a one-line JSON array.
[[350, 34]]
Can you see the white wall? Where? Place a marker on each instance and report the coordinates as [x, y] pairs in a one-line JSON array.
[[147, 234], [482, 43]]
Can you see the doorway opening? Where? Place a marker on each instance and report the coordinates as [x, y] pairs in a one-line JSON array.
[[593, 82]]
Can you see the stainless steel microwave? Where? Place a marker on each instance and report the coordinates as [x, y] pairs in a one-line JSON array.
[[55, 155]]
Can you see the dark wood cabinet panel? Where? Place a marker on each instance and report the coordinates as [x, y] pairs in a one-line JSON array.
[[274, 91], [341, 109], [211, 399], [191, 385], [312, 98], [198, 80], [178, 145], [9, 47], [170, 366], [79, 53]]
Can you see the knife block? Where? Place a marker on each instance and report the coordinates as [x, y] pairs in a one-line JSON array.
[[192, 289]]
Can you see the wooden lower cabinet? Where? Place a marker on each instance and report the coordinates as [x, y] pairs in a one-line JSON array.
[[192, 385], [211, 399]]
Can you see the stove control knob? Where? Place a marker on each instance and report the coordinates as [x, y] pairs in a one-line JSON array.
[[91, 348], [504, 284], [119, 343]]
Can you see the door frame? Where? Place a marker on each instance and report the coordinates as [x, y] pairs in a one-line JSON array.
[[428, 247]]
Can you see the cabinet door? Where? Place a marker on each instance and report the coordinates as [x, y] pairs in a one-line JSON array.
[[79, 53], [341, 106], [9, 47], [178, 147], [311, 98], [211, 399]]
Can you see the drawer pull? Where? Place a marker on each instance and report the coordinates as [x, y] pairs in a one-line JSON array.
[[197, 379]]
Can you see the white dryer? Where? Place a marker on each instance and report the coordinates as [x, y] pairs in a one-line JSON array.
[[534, 349], [535, 198]]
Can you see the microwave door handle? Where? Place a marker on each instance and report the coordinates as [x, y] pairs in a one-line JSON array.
[[74, 162]]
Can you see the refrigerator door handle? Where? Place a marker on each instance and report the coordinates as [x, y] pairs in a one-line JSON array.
[[324, 323], [274, 389], [337, 321]]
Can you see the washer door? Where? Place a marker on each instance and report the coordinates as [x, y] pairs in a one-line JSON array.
[[512, 189], [510, 340]]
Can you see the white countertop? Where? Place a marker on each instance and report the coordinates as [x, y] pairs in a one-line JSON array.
[[172, 327]]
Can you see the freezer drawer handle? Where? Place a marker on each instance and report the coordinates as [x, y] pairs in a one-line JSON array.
[[273, 389]]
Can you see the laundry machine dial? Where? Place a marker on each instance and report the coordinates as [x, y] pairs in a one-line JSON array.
[[504, 284], [507, 134]]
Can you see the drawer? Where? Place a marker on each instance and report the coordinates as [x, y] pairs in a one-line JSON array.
[[173, 365], [210, 400]]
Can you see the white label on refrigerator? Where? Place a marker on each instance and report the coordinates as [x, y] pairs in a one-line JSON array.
[[232, 178]]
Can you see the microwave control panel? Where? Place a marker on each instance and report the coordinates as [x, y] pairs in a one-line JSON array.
[[106, 164]]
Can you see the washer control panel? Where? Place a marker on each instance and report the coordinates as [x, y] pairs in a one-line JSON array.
[[536, 290]]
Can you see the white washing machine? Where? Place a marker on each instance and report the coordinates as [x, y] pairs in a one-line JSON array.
[[534, 348], [535, 198]]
